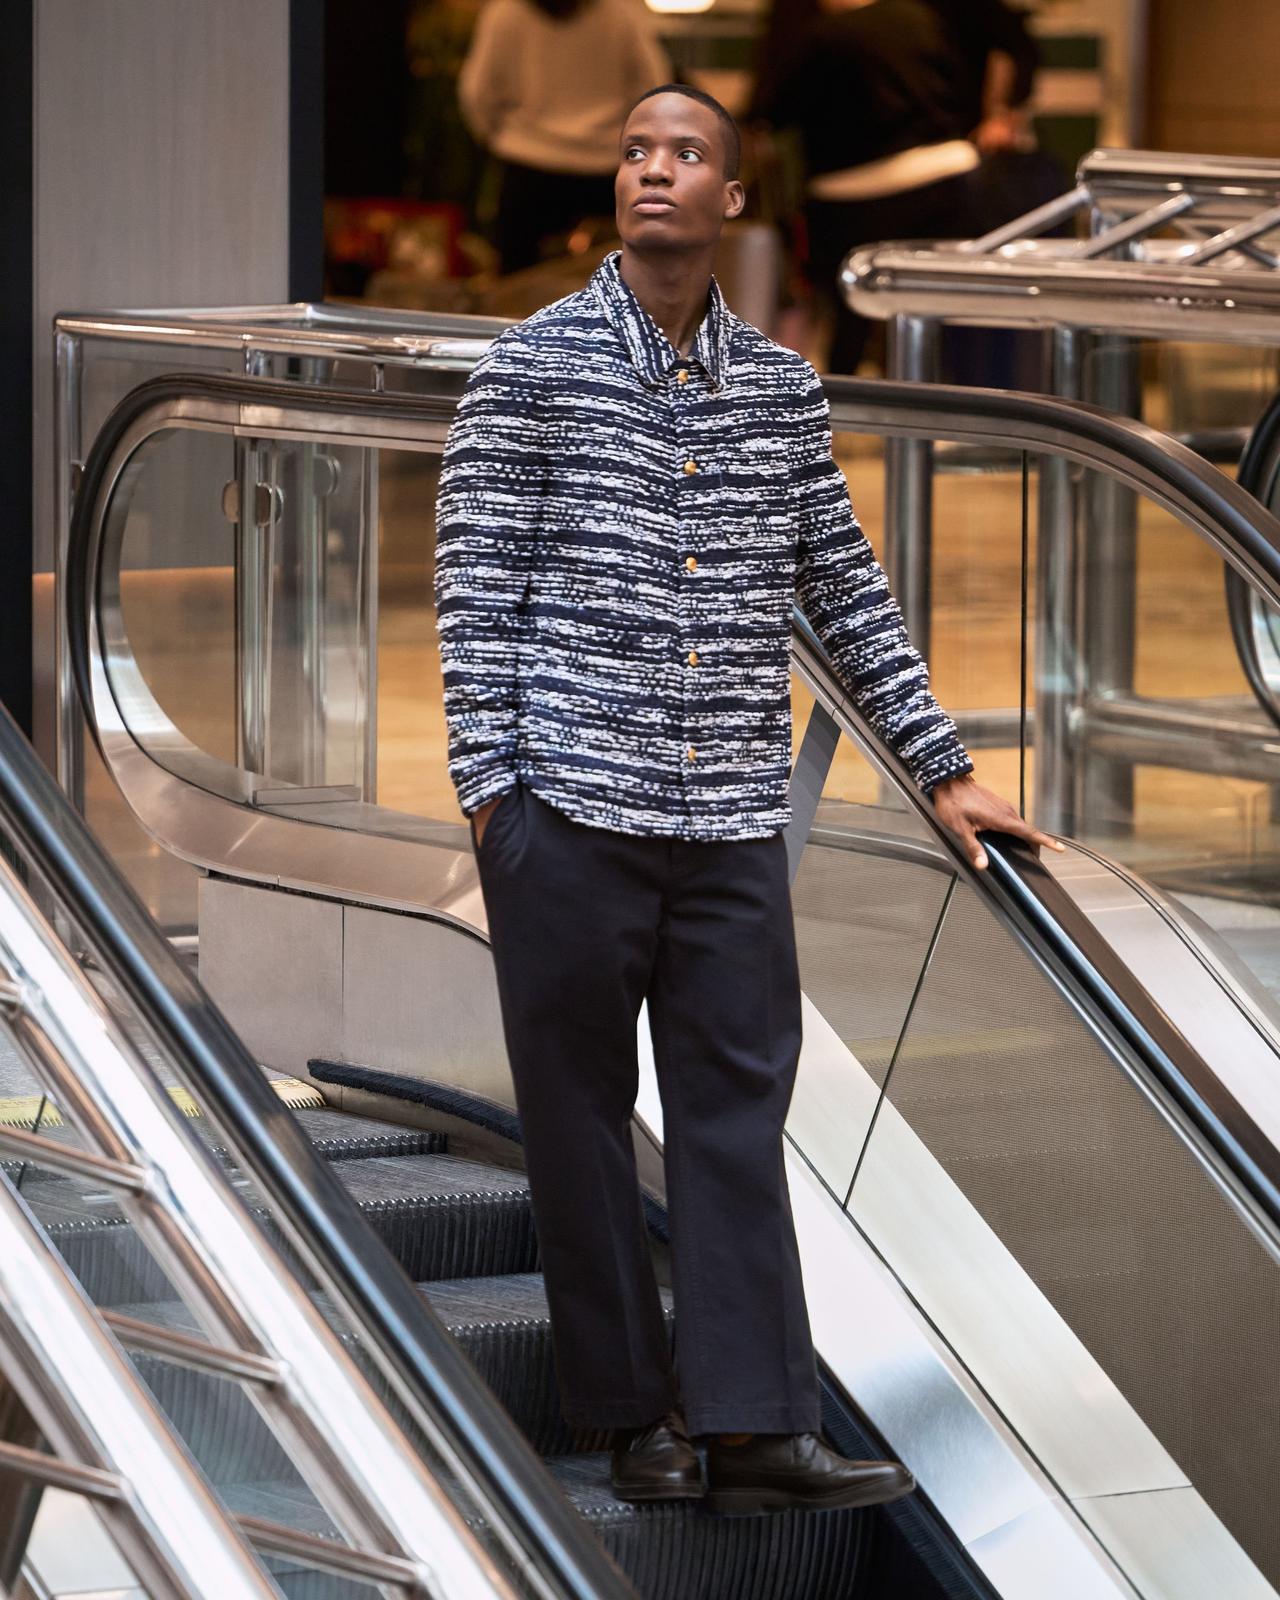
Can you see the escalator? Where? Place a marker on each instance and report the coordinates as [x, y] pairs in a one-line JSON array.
[[1032, 1150]]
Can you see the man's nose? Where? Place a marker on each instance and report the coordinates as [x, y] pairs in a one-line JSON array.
[[656, 170]]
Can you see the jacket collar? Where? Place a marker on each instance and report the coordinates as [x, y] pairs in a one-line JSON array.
[[651, 352]]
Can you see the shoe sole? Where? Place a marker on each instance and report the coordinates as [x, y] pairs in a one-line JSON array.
[[648, 1495], [751, 1502]]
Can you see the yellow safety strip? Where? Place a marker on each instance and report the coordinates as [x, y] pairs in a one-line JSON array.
[[23, 1110]]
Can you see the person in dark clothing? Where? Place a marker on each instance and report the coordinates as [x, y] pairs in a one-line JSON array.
[[892, 99], [998, 58]]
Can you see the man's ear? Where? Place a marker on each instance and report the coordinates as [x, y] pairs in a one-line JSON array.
[[735, 197]]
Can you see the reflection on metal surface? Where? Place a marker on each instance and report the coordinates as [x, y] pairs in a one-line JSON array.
[[930, 1409], [1215, 1003], [1193, 1564], [392, 337]]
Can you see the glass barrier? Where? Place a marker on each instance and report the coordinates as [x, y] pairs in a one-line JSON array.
[[277, 646], [1028, 1194]]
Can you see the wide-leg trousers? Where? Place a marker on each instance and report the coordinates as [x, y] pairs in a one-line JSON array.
[[586, 924]]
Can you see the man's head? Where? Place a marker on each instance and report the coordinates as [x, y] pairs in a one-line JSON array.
[[677, 180]]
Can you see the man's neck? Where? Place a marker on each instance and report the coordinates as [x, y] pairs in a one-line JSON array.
[[673, 289]]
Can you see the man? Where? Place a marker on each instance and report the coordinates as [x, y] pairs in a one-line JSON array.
[[636, 485]]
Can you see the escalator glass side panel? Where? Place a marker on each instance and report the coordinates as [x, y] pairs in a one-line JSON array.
[[867, 897], [1079, 635], [1109, 1299]]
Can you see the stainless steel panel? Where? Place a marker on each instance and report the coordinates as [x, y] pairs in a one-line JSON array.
[[273, 963], [1209, 995], [1039, 1551], [1169, 1299], [885, 1352], [72, 1552], [1005, 1331], [419, 997], [1194, 1556]]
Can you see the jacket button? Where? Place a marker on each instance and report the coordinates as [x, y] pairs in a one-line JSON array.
[[691, 754], [691, 563], [690, 467], [693, 658], [683, 375]]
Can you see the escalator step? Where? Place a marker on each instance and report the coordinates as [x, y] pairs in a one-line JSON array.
[[501, 1323], [505, 1328], [335, 1135], [678, 1551], [338, 1136], [440, 1216]]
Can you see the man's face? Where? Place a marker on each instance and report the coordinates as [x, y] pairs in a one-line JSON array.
[[671, 190]]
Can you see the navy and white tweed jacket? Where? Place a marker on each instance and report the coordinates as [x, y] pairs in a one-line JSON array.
[[619, 537]]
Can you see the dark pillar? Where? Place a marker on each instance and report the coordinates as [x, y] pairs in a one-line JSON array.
[[306, 149], [16, 320]]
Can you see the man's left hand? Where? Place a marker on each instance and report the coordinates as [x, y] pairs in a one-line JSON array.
[[965, 807]]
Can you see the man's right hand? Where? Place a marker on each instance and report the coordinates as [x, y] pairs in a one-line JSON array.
[[480, 816]]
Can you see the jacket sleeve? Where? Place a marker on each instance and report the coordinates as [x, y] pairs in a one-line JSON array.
[[487, 509], [842, 589]]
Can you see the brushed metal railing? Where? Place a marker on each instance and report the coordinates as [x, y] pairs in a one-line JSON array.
[[384, 1491]]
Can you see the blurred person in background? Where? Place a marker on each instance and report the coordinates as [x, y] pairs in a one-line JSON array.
[[894, 102], [999, 59], [545, 87]]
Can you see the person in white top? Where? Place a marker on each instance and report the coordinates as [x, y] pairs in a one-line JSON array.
[[545, 87]]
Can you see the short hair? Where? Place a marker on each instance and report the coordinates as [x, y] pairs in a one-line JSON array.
[[728, 127]]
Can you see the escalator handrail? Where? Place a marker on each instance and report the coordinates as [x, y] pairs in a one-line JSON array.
[[1027, 897], [1257, 473], [1030, 901]]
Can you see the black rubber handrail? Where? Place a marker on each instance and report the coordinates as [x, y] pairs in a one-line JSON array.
[[1257, 473]]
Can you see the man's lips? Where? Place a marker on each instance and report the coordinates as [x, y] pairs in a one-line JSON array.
[[654, 204]]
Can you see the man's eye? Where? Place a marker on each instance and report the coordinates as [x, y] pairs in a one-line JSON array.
[[634, 151], [696, 154]]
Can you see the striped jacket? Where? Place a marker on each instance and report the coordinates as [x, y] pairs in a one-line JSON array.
[[620, 533]]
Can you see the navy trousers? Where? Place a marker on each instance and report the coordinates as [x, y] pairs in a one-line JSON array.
[[586, 924]]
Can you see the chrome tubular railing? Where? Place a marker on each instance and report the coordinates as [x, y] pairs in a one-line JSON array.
[[1219, 283], [1121, 279], [259, 1325]]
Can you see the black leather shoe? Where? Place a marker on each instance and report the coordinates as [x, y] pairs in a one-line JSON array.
[[778, 1471], [656, 1462]]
